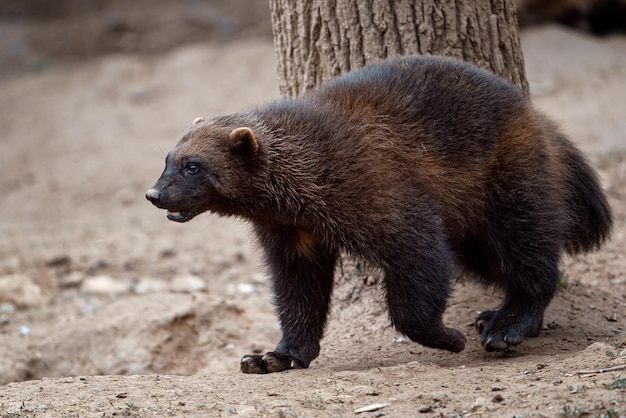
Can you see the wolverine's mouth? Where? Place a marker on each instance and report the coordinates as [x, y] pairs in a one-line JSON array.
[[179, 215]]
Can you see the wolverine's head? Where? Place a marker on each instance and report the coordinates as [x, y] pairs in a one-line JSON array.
[[212, 168]]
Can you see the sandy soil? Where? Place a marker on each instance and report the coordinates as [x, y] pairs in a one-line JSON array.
[[151, 317]]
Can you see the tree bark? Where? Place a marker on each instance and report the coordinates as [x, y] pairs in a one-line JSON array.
[[317, 40]]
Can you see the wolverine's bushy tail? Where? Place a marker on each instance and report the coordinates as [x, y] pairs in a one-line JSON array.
[[588, 207]]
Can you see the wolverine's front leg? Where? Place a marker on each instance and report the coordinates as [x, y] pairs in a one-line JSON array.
[[302, 280]]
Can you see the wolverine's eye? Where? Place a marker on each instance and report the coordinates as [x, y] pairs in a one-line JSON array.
[[192, 168]]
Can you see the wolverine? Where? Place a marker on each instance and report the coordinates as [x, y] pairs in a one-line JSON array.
[[421, 166]]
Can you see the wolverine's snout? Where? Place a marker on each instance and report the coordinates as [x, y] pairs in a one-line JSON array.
[[153, 195]]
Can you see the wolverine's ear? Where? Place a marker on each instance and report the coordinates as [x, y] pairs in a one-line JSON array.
[[197, 120], [243, 140]]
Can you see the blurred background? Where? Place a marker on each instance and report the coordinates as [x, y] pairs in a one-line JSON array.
[[37, 33]]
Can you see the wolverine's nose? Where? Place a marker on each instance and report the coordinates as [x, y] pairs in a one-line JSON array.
[[153, 195]]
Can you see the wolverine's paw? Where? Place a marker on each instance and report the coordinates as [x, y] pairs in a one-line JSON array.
[[269, 363], [446, 339], [453, 340], [483, 319], [500, 330]]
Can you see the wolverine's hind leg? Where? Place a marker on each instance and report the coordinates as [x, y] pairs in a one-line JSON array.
[[522, 257], [417, 275]]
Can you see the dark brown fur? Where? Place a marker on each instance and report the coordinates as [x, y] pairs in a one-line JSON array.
[[418, 165]]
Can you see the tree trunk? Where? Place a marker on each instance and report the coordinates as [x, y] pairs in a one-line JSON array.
[[317, 40]]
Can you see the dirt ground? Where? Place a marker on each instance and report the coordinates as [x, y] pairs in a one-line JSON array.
[[107, 308]]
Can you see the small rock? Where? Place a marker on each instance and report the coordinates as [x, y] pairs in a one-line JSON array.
[[429, 408], [167, 253], [150, 285], [480, 401], [242, 288], [60, 260], [7, 307], [20, 290], [73, 279], [246, 288], [497, 398], [103, 285], [371, 280], [187, 284], [370, 408]]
